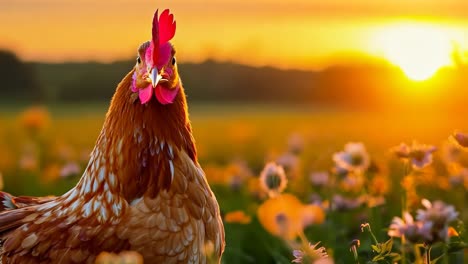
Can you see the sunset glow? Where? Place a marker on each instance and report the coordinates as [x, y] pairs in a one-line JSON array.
[[301, 34], [419, 50]]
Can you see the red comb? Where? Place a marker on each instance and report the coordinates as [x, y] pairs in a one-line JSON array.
[[167, 27], [163, 31], [155, 33]]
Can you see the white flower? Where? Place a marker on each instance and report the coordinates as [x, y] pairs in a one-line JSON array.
[[353, 158], [311, 254], [273, 179]]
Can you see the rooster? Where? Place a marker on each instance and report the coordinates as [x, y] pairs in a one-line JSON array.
[[143, 189]]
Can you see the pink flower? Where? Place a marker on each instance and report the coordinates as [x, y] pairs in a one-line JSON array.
[[70, 169], [295, 143], [431, 225], [290, 163], [414, 231], [420, 155], [439, 215], [461, 139], [401, 151], [438, 212], [451, 151], [340, 203], [29, 162], [320, 178]]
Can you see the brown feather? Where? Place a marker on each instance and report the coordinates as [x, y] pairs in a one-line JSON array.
[[12, 219]]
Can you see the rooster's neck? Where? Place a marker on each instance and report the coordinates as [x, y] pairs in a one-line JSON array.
[[139, 143]]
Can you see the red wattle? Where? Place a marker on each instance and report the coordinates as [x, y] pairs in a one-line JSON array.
[[166, 96], [145, 94]]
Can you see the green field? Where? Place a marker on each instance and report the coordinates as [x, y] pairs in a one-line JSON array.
[[231, 138]]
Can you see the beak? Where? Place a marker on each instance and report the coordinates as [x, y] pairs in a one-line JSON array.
[[155, 77]]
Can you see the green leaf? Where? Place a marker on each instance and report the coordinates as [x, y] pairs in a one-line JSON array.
[[387, 246], [376, 248], [434, 261], [394, 256], [456, 246]]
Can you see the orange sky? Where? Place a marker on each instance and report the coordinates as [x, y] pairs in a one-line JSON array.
[[292, 34]]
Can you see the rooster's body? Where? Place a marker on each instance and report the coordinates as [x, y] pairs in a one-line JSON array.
[[143, 189]]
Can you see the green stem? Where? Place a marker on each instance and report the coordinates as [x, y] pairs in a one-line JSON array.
[[404, 208], [367, 225], [445, 257], [403, 249], [304, 240], [373, 237], [417, 254], [428, 254]]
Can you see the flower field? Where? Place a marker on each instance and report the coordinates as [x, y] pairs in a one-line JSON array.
[[294, 184]]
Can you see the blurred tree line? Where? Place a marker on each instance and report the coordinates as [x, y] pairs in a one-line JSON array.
[[18, 80], [369, 85]]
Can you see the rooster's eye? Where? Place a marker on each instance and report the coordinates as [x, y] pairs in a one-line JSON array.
[[138, 60], [173, 61]]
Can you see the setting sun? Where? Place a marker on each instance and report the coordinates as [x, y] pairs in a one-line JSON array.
[[419, 50]]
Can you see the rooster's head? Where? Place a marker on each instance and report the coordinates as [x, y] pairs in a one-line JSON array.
[[144, 134], [156, 68]]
